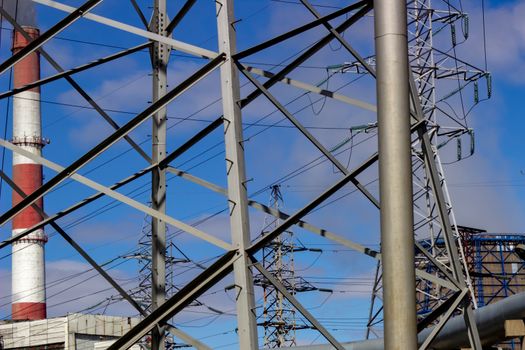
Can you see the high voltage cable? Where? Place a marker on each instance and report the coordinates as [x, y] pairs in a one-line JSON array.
[[314, 127], [259, 132], [66, 279], [63, 290], [115, 203]]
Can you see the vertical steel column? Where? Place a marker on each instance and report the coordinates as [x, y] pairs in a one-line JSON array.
[[160, 58], [237, 197], [395, 175]]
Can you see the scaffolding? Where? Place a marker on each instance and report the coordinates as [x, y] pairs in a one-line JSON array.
[[497, 270], [495, 267]]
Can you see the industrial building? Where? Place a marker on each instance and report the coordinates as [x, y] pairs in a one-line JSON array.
[[71, 332], [495, 266]]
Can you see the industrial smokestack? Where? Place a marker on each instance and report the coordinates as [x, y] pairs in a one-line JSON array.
[[28, 277]]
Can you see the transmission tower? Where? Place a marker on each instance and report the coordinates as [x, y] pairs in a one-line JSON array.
[[441, 81], [174, 258], [142, 293], [278, 315]]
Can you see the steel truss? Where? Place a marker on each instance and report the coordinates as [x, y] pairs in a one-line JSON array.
[[278, 316], [240, 255]]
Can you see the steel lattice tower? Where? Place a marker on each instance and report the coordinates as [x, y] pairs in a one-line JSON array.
[[143, 291], [278, 258], [433, 69], [278, 314]]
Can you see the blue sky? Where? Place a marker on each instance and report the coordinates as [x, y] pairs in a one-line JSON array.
[[487, 188]]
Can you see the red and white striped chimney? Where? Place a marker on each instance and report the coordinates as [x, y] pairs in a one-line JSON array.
[[28, 267]]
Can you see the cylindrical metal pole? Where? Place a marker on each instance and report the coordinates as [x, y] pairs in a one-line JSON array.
[[395, 175], [28, 277], [160, 57]]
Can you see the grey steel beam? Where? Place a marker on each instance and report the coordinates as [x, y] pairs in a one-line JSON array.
[[236, 178], [197, 180], [442, 308], [347, 243], [159, 61], [197, 344], [438, 265], [439, 195], [315, 89], [204, 281], [75, 70], [139, 13], [318, 231], [155, 213], [309, 227], [489, 319], [395, 175], [299, 30], [176, 44], [340, 38], [307, 134], [280, 215], [180, 15], [110, 140], [294, 218], [49, 34], [179, 151], [298, 306], [75, 85], [435, 184], [437, 280], [307, 54]]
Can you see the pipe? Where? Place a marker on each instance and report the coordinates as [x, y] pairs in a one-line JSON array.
[[28, 275], [490, 321], [395, 174]]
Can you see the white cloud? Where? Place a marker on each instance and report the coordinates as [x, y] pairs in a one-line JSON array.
[[505, 38]]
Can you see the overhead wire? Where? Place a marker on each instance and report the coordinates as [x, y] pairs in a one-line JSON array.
[[251, 136], [313, 4], [484, 33]]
